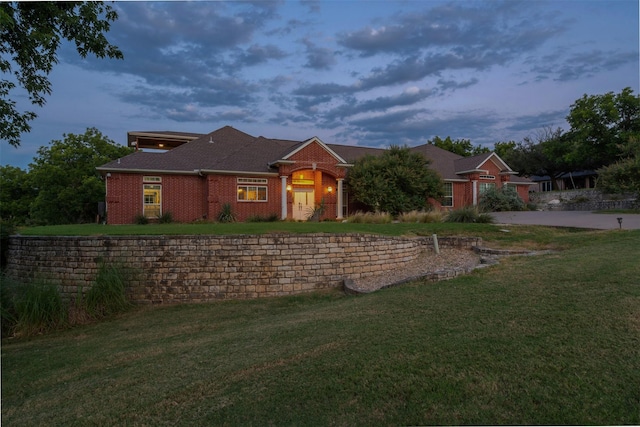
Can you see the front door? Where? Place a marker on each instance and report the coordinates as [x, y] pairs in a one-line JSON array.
[[303, 204]]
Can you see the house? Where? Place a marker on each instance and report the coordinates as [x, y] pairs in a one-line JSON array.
[[577, 180], [259, 176]]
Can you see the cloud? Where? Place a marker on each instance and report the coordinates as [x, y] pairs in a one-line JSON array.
[[318, 58], [535, 122], [563, 67]]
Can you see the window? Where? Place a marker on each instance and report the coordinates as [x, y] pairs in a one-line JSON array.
[[447, 199], [546, 185], [251, 193], [151, 200], [252, 180], [487, 177], [486, 186], [152, 178]]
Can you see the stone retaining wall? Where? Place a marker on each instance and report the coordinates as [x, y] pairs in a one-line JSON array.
[[582, 200], [173, 269]]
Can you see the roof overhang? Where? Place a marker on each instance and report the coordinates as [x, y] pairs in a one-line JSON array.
[[159, 140]]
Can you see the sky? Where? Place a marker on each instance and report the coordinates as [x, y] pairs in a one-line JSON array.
[[369, 73]]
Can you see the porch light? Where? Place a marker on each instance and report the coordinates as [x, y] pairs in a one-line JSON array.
[[288, 188], [329, 189]]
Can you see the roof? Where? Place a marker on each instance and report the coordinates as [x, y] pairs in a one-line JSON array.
[[228, 150]]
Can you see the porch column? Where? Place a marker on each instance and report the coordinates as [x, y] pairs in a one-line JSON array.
[[474, 186], [340, 201], [283, 212]]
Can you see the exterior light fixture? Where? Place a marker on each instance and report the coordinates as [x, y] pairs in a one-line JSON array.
[[161, 145], [288, 188], [329, 189]]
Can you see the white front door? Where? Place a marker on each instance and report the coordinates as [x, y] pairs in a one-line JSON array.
[[303, 204]]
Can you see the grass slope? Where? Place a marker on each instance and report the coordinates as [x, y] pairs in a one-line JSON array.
[[551, 339]]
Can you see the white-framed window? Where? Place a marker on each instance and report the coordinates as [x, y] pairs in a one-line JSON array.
[[487, 177], [486, 186], [152, 178], [152, 200], [447, 199], [546, 186], [252, 193]]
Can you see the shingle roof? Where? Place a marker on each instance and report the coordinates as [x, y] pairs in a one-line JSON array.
[[230, 150]]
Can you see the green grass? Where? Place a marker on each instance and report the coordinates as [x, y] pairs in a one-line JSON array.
[[551, 339]]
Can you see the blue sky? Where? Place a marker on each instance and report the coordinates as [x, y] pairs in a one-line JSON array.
[[370, 73]]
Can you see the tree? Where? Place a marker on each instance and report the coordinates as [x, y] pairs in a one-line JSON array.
[[30, 35], [544, 154], [462, 147], [65, 177], [624, 175], [16, 195], [505, 150], [397, 181], [600, 124]]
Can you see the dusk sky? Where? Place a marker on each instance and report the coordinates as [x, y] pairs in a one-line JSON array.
[[371, 73]]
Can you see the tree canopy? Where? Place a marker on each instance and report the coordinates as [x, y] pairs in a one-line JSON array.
[[397, 181], [462, 147], [65, 178], [30, 35]]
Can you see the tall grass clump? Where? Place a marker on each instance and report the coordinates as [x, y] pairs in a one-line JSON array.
[[370, 218], [226, 214], [8, 315], [108, 296], [468, 214], [424, 217], [165, 218], [38, 308]]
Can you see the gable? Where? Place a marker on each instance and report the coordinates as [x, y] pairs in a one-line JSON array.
[[314, 148]]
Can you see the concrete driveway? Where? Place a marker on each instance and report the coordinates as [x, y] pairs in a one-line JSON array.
[[578, 219]]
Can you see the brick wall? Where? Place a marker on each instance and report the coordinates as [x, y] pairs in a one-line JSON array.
[[174, 269]]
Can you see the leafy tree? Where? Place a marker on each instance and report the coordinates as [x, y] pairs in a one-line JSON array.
[[624, 175], [30, 35], [397, 181], [64, 174], [600, 124], [545, 154], [505, 150], [462, 147], [16, 194]]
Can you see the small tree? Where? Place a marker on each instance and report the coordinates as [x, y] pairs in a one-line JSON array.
[[397, 181], [624, 175]]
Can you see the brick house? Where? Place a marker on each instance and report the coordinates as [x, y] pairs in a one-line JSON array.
[[258, 176]]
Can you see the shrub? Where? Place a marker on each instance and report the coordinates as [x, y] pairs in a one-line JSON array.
[[6, 230], [141, 219], [226, 214], [8, 315], [38, 308], [108, 294], [259, 218], [166, 218], [468, 214], [499, 200]]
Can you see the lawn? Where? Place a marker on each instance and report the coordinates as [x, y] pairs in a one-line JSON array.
[[550, 339]]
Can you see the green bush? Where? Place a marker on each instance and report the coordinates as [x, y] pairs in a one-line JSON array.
[[468, 214], [38, 308], [501, 200], [259, 218], [8, 315], [107, 296], [166, 218], [226, 214], [140, 219], [6, 230]]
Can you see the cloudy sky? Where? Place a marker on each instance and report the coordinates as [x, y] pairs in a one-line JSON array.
[[371, 73]]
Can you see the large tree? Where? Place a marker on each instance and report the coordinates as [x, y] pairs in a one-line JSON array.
[[30, 35], [64, 175], [16, 195], [399, 180], [544, 154], [600, 125], [462, 147]]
